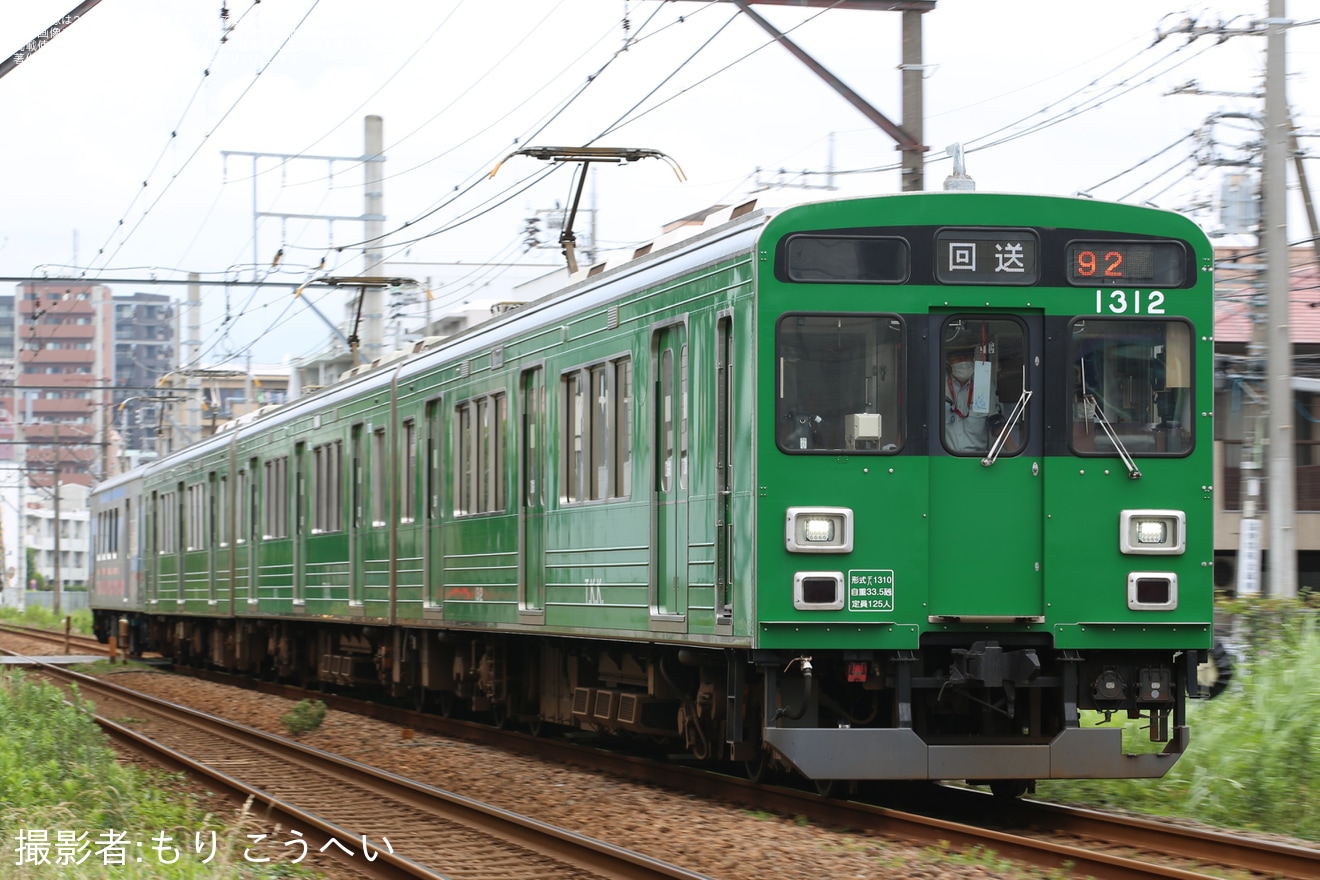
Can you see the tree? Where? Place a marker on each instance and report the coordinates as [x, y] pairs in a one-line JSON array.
[[33, 574]]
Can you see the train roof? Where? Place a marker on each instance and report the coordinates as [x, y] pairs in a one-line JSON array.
[[724, 231], [687, 244]]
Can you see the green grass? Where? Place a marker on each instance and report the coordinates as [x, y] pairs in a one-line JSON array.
[[35, 615], [1254, 758], [59, 779]]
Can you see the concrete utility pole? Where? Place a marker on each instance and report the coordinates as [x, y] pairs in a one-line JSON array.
[[193, 401], [914, 103], [908, 136], [1282, 493], [373, 162], [55, 485], [373, 306]]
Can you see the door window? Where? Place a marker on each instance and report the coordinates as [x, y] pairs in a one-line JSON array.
[[983, 363]]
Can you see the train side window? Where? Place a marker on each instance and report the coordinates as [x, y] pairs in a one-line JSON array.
[[1131, 386], [623, 427], [318, 489], [241, 507], [359, 476], [106, 541], [533, 396], [574, 440], [409, 460], [838, 383], [667, 420], [498, 440], [683, 418], [479, 456], [327, 483], [596, 461], [602, 415], [220, 501], [380, 469], [197, 517], [276, 499], [254, 499], [162, 504], [300, 489], [168, 523], [464, 453], [433, 428]]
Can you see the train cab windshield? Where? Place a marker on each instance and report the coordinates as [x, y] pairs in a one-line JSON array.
[[1132, 387], [838, 381]]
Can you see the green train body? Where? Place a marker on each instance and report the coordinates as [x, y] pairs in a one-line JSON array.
[[727, 493]]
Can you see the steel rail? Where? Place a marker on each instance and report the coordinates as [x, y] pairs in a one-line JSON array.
[[1219, 849], [569, 848]]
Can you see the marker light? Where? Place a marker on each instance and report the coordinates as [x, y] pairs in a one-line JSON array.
[[818, 590], [819, 530], [1152, 591], [1152, 532]]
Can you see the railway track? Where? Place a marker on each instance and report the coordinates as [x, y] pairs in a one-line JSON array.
[[1078, 841], [71, 642], [409, 829], [1081, 842]]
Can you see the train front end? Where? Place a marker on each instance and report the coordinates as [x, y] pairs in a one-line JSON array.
[[984, 500]]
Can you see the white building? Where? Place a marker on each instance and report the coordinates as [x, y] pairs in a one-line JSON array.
[[74, 529], [13, 570]]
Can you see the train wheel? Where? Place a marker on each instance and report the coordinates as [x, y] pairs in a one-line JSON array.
[[448, 704], [758, 768], [1009, 789], [828, 788], [499, 715], [1215, 674]]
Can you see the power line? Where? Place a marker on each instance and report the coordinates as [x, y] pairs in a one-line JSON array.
[[186, 162]]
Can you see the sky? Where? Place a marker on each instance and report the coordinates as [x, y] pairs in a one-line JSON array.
[[119, 138]]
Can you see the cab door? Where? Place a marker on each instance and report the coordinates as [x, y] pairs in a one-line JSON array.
[[986, 477]]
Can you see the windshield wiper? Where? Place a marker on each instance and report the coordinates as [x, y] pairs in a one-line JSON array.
[[1099, 413], [1014, 417]]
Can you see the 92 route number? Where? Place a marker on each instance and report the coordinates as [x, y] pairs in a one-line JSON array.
[[1120, 302]]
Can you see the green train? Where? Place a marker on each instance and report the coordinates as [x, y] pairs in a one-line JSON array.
[[874, 488]]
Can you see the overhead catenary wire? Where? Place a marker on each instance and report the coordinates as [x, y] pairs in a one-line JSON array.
[[637, 112], [174, 132], [478, 176], [197, 149]]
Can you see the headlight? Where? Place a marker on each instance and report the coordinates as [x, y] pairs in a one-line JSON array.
[[1152, 532], [819, 530]]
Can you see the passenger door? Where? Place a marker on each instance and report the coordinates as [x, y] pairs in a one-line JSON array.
[[531, 598], [986, 503], [670, 519]]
